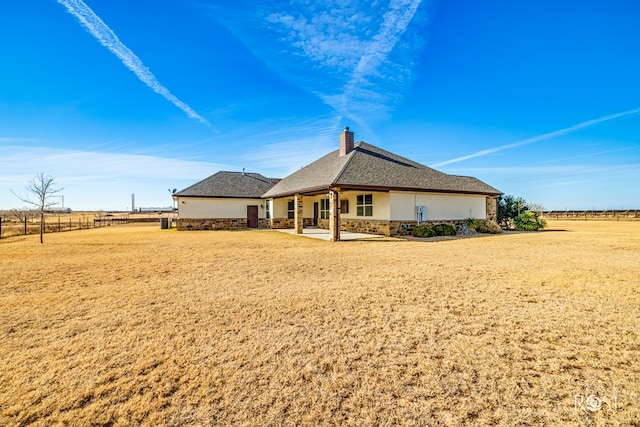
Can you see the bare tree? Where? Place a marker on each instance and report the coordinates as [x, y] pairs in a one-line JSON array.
[[536, 207], [22, 215], [43, 188]]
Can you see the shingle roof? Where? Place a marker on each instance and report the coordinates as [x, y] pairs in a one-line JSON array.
[[230, 184], [368, 166]]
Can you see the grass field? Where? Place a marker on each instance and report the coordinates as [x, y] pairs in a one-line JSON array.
[[136, 325]]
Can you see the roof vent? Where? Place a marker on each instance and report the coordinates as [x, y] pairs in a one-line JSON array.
[[346, 142]]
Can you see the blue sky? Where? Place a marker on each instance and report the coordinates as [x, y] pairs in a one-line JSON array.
[[539, 99]]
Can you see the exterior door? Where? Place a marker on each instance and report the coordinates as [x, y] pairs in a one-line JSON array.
[[252, 216], [315, 214]]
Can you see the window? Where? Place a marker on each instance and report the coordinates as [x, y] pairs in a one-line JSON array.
[[324, 208], [291, 209], [364, 205], [267, 206], [344, 206]]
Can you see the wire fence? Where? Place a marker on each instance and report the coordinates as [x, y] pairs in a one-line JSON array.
[[10, 227], [616, 215]]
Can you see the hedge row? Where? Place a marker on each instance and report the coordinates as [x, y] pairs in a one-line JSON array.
[[436, 230]]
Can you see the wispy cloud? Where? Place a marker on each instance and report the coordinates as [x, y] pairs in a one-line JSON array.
[[355, 56], [542, 137], [24, 161], [281, 150], [360, 91], [550, 171], [9, 139], [110, 40]]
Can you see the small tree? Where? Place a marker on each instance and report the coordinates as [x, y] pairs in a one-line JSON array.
[[509, 208], [43, 188]]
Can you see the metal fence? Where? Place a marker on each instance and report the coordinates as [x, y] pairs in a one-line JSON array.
[[629, 214], [12, 227]]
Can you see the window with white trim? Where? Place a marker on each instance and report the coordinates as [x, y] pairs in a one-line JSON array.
[[364, 205], [291, 209], [267, 205], [324, 208]]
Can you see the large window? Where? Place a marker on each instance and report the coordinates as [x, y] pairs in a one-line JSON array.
[[291, 209], [324, 208], [364, 205]]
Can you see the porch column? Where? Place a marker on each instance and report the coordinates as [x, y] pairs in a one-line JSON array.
[[492, 208], [334, 214], [298, 213]]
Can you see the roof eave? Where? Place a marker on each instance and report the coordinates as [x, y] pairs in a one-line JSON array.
[[297, 191]]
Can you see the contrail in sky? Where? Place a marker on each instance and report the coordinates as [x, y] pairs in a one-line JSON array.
[[110, 40], [543, 137]]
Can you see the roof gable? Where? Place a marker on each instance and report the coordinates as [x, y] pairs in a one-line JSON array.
[[230, 184]]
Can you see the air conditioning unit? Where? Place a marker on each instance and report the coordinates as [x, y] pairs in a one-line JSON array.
[[421, 214]]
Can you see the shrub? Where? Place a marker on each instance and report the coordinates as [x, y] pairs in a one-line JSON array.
[[444, 230], [487, 226], [530, 221], [472, 223], [423, 231], [509, 207]]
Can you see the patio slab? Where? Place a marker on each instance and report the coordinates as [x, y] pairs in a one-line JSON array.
[[322, 234]]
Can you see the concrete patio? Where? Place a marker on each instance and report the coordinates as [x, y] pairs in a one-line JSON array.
[[319, 233]]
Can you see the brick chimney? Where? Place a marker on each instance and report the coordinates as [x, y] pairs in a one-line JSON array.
[[346, 142]]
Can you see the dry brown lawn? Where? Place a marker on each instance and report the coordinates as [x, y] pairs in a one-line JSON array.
[[131, 325]]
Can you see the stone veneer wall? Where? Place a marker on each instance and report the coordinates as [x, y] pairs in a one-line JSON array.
[[387, 228], [280, 223], [217, 223], [211, 223], [492, 208], [369, 226]]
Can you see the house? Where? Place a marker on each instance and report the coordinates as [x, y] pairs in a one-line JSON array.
[[225, 200], [360, 188]]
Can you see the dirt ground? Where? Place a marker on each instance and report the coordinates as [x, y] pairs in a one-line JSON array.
[[131, 324]]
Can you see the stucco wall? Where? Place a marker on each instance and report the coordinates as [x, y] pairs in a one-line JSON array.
[[195, 207], [380, 205], [440, 206]]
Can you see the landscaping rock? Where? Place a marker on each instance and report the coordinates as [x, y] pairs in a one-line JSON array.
[[465, 230]]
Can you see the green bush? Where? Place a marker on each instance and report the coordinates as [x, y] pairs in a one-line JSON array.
[[530, 221], [472, 223], [487, 226], [444, 230], [423, 231]]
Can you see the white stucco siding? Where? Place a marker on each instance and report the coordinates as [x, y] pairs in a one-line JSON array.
[[440, 206], [280, 207], [381, 206], [201, 207]]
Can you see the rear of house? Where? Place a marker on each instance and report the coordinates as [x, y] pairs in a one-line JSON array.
[[363, 188], [225, 200], [359, 188]]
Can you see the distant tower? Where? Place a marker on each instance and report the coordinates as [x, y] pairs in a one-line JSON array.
[[133, 202]]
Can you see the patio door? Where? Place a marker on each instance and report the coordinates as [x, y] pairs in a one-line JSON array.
[[315, 214]]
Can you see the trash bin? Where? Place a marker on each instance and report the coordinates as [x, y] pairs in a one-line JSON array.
[[164, 223]]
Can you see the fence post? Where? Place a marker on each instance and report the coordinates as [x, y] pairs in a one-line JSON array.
[[25, 225], [0, 227]]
